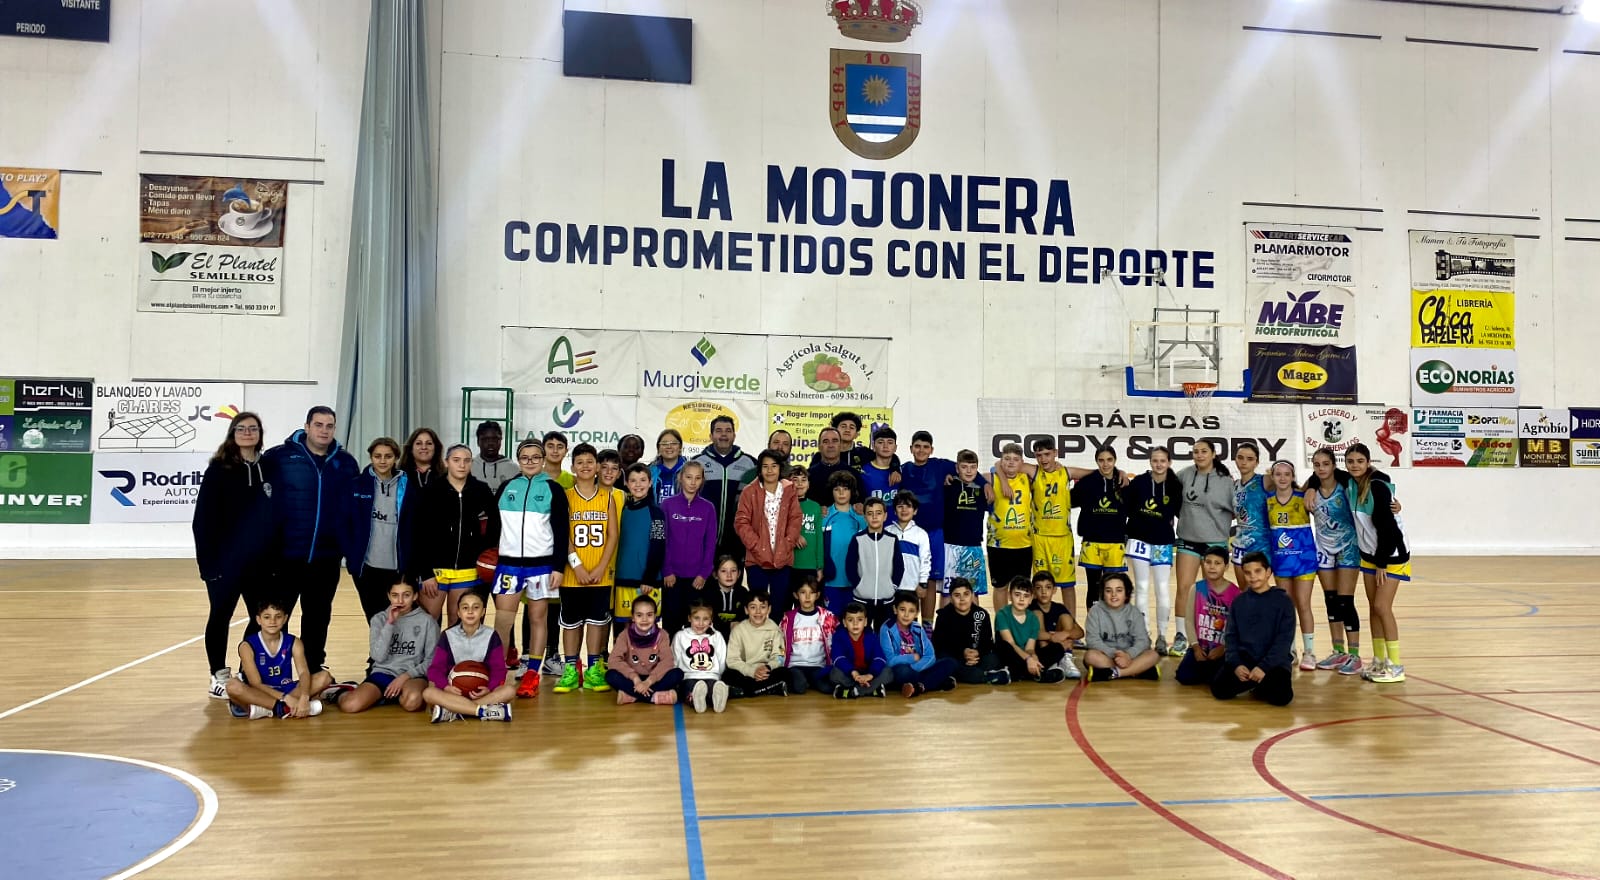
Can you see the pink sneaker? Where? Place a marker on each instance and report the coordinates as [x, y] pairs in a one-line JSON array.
[[1352, 666], [664, 698], [624, 698], [1308, 663]]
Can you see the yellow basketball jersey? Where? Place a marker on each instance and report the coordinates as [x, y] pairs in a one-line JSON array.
[[1052, 503], [590, 532], [1011, 518]]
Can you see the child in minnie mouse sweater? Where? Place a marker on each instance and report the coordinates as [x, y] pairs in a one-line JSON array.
[[702, 653]]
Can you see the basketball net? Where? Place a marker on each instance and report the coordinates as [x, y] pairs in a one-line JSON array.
[[1199, 395]]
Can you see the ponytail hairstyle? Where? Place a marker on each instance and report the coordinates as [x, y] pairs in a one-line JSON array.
[[1312, 480]]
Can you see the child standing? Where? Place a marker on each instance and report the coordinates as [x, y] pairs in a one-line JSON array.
[[469, 639], [913, 544], [925, 477], [1016, 637], [1010, 522], [858, 667], [401, 641], [586, 585], [1385, 558], [1258, 642], [768, 524], [1060, 628], [1103, 522], [807, 632], [1153, 501], [533, 551], [965, 508], [277, 681], [808, 552], [728, 600], [910, 652], [642, 667], [839, 530], [641, 547], [691, 551], [1213, 597], [965, 636], [1294, 553], [875, 565], [1118, 637], [702, 653], [755, 652], [880, 471], [1338, 560]]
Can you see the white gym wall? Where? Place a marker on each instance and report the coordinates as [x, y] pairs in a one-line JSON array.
[[1165, 116]]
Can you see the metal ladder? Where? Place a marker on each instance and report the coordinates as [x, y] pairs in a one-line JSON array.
[[469, 417]]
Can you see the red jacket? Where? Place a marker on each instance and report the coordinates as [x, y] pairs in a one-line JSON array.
[[750, 522]]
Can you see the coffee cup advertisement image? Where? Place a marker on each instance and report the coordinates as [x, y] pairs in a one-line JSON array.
[[211, 244]]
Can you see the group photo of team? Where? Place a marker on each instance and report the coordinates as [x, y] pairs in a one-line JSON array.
[[728, 575]]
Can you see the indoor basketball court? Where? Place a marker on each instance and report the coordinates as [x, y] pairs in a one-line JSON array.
[[304, 300]]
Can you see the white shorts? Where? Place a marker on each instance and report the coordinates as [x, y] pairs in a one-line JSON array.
[[532, 582], [1155, 554]]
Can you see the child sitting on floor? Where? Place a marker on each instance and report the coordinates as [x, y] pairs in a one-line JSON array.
[[469, 639], [641, 668], [1016, 637], [1118, 637], [401, 641], [755, 652], [1258, 644], [858, 666], [963, 634], [910, 651], [276, 683], [1213, 596], [702, 653], [807, 633]]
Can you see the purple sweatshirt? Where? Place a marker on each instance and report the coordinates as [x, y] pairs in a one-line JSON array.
[[691, 537]]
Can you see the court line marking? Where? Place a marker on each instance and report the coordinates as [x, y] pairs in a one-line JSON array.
[[1470, 723], [208, 806], [1148, 802], [1259, 759], [1184, 802], [1462, 692], [107, 674], [691, 816]]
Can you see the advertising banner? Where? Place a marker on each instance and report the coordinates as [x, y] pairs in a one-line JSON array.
[[541, 360], [692, 418], [711, 364], [1585, 437], [30, 203], [1290, 373], [1543, 436], [1463, 261], [1463, 319], [1473, 438], [146, 486], [211, 244], [1466, 377], [1317, 255], [1385, 430], [45, 415], [164, 416], [1305, 315], [599, 421], [826, 371], [1132, 427], [44, 487], [804, 423]]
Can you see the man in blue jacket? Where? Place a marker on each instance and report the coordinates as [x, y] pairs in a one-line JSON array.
[[310, 477], [728, 471]]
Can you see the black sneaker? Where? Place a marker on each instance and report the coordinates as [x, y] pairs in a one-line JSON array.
[[1151, 674], [878, 692], [840, 692], [1052, 676]]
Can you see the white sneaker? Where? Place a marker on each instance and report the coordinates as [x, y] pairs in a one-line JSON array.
[[719, 696], [219, 684], [1067, 666], [553, 666], [259, 712], [697, 695], [314, 709], [441, 715]]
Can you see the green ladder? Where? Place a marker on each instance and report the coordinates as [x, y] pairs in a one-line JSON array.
[[469, 416]]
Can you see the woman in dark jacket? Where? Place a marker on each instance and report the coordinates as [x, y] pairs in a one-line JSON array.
[[233, 538], [458, 521], [378, 520]]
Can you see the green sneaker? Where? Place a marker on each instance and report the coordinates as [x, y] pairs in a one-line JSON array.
[[594, 678], [569, 679]]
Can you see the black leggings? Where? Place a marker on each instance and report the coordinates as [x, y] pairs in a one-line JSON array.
[[1276, 688], [312, 585], [225, 592], [372, 585]]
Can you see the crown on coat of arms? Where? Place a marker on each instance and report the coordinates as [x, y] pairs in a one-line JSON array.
[[880, 21]]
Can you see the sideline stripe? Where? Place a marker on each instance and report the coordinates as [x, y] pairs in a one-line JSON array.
[[107, 674], [1186, 802], [691, 816], [1259, 759], [1150, 803], [208, 805]]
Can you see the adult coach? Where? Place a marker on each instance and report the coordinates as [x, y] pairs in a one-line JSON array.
[[828, 460], [728, 471], [310, 476]]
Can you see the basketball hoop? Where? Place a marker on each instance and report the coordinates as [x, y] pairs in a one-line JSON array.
[[1199, 395]]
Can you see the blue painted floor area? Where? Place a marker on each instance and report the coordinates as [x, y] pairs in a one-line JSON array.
[[81, 817]]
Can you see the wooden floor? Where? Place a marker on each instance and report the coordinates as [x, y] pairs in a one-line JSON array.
[[1485, 764]]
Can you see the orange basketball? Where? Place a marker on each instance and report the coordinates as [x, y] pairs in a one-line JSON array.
[[487, 561], [469, 675]]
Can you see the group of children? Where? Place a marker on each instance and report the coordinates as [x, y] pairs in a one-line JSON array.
[[853, 600]]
